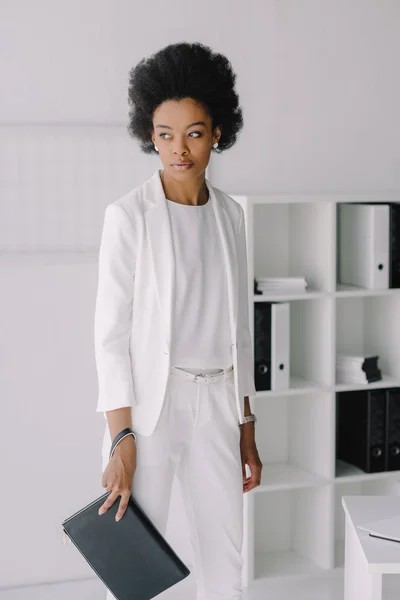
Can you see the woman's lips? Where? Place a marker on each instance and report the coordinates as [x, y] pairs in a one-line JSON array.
[[183, 167]]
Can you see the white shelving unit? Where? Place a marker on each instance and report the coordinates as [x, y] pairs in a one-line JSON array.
[[294, 524]]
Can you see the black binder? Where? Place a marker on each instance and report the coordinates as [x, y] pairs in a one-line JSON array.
[[262, 345], [394, 246], [393, 429], [131, 556], [271, 345], [361, 429]]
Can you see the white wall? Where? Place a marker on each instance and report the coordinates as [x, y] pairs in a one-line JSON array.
[[317, 79], [319, 88]]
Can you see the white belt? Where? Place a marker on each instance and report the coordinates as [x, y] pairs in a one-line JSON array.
[[201, 377]]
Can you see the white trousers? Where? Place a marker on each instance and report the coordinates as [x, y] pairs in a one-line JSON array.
[[197, 439]]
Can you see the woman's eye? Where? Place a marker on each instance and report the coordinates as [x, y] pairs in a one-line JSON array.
[[196, 132]]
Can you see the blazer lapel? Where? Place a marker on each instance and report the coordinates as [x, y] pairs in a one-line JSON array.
[[228, 241], [162, 254]]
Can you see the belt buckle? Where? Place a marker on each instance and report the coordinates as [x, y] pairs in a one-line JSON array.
[[204, 376]]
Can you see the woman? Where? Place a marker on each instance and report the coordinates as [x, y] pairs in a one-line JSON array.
[[171, 319]]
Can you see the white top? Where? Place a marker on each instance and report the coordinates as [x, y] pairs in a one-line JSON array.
[[201, 318]]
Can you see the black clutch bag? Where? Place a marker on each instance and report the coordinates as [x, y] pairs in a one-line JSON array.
[[131, 556]]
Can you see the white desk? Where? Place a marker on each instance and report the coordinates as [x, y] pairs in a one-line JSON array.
[[368, 558]]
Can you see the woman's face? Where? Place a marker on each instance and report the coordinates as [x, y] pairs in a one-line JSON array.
[[182, 132]]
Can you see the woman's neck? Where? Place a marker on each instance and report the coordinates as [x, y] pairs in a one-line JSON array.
[[193, 192]]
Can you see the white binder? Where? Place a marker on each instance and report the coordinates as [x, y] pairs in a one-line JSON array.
[[280, 345], [364, 245]]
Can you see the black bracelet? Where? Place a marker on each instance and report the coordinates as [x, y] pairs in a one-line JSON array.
[[120, 436]]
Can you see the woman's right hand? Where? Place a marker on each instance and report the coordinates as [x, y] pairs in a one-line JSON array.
[[118, 476]]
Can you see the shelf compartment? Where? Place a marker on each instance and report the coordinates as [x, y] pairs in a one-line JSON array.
[[385, 382], [377, 486], [283, 296], [369, 325], [346, 472], [297, 386], [291, 535], [294, 439], [345, 290], [294, 240], [285, 476], [311, 344], [312, 340], [283, 564]]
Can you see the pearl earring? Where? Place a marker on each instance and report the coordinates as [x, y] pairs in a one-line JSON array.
[[155, 147], [215, 145]]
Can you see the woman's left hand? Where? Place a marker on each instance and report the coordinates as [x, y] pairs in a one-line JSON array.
[[249, 455]]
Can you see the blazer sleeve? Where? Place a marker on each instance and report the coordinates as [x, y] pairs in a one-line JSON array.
[[113, 310], [243, 310]]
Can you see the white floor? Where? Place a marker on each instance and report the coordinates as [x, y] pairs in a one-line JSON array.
[[328, 586]]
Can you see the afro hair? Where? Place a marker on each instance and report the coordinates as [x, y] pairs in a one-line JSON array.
[[184, 70]]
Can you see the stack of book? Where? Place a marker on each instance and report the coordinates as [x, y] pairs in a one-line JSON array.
[[268, 285], [357, 369]]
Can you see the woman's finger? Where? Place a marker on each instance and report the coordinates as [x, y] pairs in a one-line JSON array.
[[108, 502], [123, 504]]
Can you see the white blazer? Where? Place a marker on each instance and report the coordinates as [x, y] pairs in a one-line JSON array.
[[135, 299]]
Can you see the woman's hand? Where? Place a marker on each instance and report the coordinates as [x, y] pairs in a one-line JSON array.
[[118, 476], [249, 455]]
